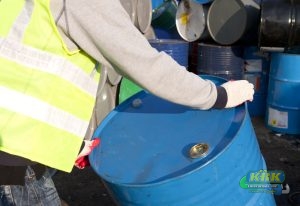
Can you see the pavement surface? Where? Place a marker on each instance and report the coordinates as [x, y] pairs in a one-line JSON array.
[[281, 152]]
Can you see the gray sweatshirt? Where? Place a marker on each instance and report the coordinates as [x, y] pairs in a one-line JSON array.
[[103, 29]]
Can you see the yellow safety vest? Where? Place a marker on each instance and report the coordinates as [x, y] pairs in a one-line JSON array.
[[47, 92]]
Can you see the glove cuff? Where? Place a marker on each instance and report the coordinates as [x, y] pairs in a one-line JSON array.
[[222, 98]]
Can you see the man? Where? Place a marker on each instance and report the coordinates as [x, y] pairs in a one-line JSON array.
[[49, 79]]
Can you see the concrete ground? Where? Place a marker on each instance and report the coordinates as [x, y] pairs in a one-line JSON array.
[[281, 152]]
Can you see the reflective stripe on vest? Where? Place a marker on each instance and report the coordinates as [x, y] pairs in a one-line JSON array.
[[47, 92]]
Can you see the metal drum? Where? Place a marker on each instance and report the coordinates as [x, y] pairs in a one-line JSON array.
[[258, 106], [154, 152], [130, 7], [177, 49], [227, 21], [191, 20], [156, 3], [283, 101], [144, 15], [163, 19], [250, 36], [257, 66], [164, 14], [223, 61], [203, 1], [140, 13], [167, 34], [279, 25], [193, 57]]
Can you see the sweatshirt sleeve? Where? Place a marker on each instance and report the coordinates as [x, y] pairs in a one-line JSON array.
[[103, 29]]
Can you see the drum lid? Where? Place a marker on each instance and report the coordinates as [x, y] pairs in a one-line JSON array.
[[190, 20], [146, 139], [226, 21]]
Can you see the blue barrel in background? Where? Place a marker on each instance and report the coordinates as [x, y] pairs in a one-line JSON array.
[[283, 101], [156, 3], [203, 1], [154, 152], [167, 34], [164, 14], [177, 49], [257, 65], [223, 61], [164, 19]]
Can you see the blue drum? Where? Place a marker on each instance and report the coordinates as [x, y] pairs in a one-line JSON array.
[[283, 101], [222, 61], [257, 66], [154, 152], [164, 14], [156, 3], [167, 34], [177, 49], [203, 1]]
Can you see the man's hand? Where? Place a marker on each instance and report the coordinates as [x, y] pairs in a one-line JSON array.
[[238, 92]]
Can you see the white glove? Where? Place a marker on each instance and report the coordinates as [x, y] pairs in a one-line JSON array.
[[238, 92]]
